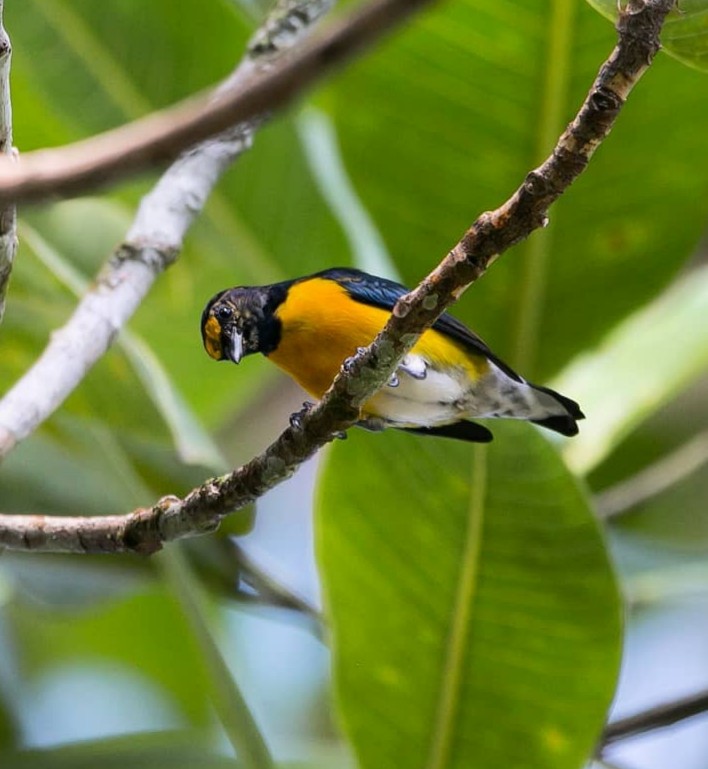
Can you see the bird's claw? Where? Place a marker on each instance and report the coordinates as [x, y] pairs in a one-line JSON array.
[[296, 418], [414, 366], [348, 364]]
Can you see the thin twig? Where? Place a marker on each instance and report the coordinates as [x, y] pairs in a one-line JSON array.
[[145, 530], [652, 480], [225, 565], [8, 217], [603, 763], [657, 717], [152, 244], [160, 137], [271, 592]]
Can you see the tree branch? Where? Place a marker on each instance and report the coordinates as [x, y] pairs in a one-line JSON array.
[[271, 592], [152, 244], [657, 717], [8, 218], [160, 137], [145, 530]]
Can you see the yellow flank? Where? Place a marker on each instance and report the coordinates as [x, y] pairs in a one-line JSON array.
[[322, 326], [212, 338]]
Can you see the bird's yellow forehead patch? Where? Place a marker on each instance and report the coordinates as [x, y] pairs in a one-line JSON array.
[[212, 338]]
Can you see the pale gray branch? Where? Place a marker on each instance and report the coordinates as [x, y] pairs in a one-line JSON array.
[[8, 218], [152, 244]]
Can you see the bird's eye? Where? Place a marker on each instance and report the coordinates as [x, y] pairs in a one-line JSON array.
[[224, 313]]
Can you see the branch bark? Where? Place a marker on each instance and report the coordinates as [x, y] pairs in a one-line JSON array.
[[657, 717], [8, 217], [160, 137], [145, 530]]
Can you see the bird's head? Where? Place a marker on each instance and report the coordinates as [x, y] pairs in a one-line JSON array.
[[241, 321]]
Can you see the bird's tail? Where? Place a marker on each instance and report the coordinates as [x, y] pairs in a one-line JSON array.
[[563, 412]]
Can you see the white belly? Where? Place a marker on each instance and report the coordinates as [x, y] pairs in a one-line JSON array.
[[421, 402], [421, 396]]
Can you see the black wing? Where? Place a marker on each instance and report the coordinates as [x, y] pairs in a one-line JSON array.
[[384, 293]]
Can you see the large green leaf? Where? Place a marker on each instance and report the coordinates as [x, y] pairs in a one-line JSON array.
[[474, 613], [685, 32], [450, 117]]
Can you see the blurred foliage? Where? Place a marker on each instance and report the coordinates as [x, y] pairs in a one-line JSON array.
[[158, 639], [144, 751], [438, 123]]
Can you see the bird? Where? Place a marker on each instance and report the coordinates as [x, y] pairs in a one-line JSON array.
[[309, 326]]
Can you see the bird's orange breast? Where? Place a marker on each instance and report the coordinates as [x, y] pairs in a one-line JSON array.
[[322, 326]]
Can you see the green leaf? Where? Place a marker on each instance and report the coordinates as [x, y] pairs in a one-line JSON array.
[[685, 32], [474, 613], [159, 750], [143, 633], [456, 114], [8, 728], [171, 750], [231, 707], [649, 358]]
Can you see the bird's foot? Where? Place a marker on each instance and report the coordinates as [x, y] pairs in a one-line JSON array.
[[348, 364], [414, 366], [296, 418]]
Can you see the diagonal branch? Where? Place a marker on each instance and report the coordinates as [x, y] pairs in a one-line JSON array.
[[658, 717], [145, 530], [8, 218], [160, 137]]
